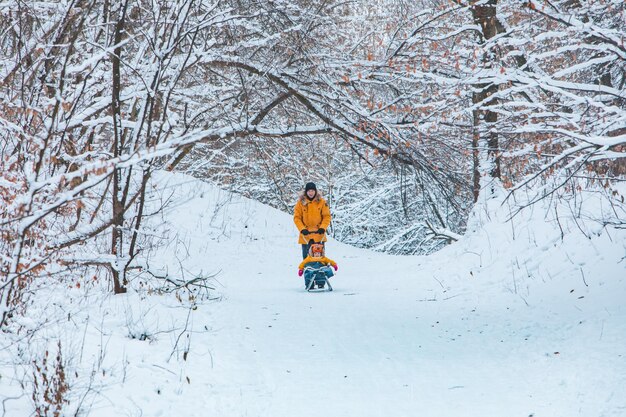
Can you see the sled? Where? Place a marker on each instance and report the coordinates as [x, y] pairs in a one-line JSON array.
[[318, 276]]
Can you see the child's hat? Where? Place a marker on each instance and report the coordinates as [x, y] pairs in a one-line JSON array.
[[316, 248]]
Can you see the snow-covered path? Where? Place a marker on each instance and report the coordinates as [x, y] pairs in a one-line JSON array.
[[380, 348], [399, 336]]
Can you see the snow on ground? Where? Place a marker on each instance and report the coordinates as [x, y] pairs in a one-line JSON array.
[[510, 321]]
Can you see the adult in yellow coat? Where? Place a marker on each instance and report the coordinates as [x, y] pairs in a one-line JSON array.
[[311, 216]]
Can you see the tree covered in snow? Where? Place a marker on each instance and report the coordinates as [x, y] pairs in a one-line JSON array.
[[527, 88], [98, 94]]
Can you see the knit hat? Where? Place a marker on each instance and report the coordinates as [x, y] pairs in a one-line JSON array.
[[310, 186], [316, 250]]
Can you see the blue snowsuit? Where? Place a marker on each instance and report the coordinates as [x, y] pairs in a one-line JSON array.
[[317, 273]]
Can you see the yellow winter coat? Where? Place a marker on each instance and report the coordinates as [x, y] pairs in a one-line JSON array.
[[322, 259], [311, 215]]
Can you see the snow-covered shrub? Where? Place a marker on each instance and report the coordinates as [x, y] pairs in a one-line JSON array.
[[50, 384]]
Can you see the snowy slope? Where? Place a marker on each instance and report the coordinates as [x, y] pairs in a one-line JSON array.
[[510, 321]]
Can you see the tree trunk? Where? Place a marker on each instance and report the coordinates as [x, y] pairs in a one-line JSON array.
[[484, 119], [117, 237]]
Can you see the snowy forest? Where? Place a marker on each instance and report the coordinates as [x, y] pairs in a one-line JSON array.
[[434, 129]]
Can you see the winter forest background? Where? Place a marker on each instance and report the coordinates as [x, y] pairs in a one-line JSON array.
[[407, 114]]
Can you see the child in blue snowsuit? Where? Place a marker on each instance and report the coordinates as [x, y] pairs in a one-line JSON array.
[[316, 266]]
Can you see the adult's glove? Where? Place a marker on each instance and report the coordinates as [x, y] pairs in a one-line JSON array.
[[336, 267], [300, 272], [321, 231], [305, 232]]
